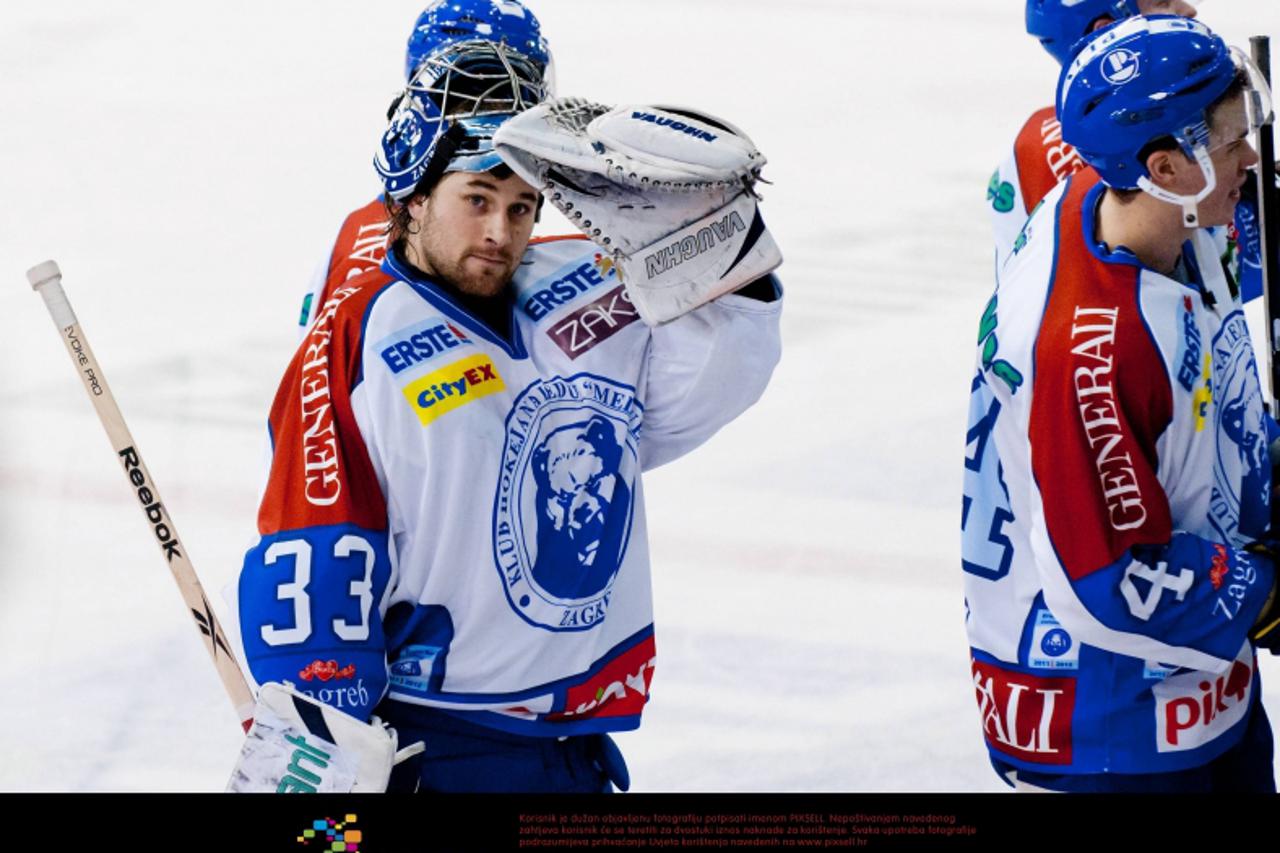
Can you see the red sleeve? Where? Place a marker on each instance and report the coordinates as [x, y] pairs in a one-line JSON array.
[[360, 247], [1100, 401], [320, 469], [1043, 159]]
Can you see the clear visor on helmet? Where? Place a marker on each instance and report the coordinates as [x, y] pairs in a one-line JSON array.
[[476, 78], [1257, 94], [1228, 128], [1199, 141]]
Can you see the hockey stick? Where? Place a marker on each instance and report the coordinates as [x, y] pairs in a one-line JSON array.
[[46, 279], [1268, 210]]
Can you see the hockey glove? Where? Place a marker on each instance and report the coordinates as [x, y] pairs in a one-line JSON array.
[[667, 192], [299, 745], [1265, 632]]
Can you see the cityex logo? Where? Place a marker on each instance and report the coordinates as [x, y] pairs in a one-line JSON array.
[[563, 505], [414, 667], [452, 387]]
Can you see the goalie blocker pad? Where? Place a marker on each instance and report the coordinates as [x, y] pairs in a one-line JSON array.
[[718, 254], [666, 191], [299, 745]]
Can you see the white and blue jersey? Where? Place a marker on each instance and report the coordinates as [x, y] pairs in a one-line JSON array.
[[455, 518], [1116, 468]]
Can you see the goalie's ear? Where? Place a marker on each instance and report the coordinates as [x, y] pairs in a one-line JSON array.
[[678, 139]]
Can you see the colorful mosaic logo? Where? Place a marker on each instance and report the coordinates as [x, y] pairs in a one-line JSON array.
[[333, 835]]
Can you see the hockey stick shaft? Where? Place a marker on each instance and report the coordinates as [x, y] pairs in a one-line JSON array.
[[1268, 210], [46, 279]]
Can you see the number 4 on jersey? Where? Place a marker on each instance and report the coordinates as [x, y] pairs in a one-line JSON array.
[[1159, 579]]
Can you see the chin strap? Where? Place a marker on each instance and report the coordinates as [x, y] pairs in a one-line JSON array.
[[1190, 204]]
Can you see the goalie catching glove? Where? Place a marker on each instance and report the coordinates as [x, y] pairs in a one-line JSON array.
[[667, 192], [299, 745]]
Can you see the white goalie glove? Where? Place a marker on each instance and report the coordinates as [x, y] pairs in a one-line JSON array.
[[667, 192], [299, 745]]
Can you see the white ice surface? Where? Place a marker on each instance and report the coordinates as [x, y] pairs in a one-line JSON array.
[[188, 169]]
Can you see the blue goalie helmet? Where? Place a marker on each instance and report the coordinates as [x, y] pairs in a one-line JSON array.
[[1146, 78], [479, 56], [1059, 24], [420, 145]]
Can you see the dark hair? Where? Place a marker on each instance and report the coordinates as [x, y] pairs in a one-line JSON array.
[[398, 218]]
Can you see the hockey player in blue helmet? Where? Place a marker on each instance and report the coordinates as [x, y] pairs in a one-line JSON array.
[[500, 22], [479, 56], [478, 400], [1115, 122], [1118, 574], [1038, 158], [1060, 24], [464, 58]]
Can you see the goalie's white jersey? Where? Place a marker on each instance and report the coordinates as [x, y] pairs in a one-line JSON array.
[[459, 517]]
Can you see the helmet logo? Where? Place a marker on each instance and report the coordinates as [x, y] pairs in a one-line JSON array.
[[407, 127], [1120, 66], [507, 7]]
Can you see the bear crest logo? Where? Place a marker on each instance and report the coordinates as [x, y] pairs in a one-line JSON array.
[[564, 501]]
